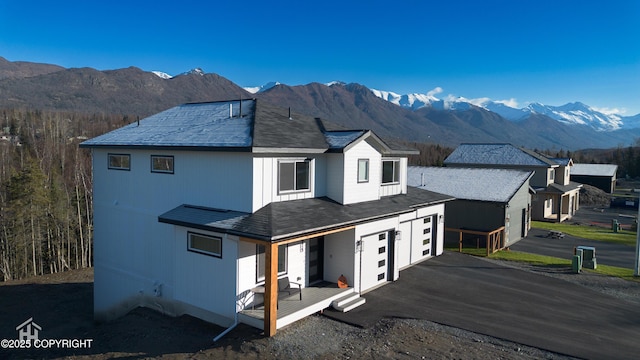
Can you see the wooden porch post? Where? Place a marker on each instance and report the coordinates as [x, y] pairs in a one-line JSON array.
[[271, 289], [489, 243], [560, 208]]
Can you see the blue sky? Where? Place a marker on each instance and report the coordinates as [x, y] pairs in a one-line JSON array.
[[551, 52]]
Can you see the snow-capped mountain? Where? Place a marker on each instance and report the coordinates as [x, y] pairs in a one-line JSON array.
[[571, 113]]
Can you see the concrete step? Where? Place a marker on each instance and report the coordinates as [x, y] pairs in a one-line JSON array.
[[348, 302]]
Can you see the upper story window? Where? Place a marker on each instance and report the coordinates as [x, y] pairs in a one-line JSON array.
[[120, 161], [294, 175], [390, 171], [552, 175], [363, 170], [162, 164]]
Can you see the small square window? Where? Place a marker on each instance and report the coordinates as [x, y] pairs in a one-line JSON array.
[[120, 161], [363, 170], [426, 231], [382, 250], [382, 236], [162, 164], [204, 244], [380, 276]]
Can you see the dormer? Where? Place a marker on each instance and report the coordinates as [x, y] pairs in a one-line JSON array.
[[562, 172], [364, 167]]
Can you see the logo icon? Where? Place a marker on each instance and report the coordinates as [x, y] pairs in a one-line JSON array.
[[28, 330]]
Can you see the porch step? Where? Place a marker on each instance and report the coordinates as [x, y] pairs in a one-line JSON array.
[[348, 302]]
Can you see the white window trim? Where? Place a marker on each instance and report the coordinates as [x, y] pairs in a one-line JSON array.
[[294, 161], [396, 163], [201, 251], [366, 179]]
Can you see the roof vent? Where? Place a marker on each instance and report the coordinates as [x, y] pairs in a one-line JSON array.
[[230, 110], [290, 113]]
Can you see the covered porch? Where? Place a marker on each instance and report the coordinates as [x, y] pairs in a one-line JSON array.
[[291, 308]]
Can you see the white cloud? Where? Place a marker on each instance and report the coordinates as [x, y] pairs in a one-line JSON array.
[[435, 91], [610, 111], [510, 103]]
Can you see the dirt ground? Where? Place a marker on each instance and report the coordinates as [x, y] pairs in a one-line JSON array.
[[61, 305]]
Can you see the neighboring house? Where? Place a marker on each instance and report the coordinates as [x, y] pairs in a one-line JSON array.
[[556, 197], [206, 208], [602, 176], [490, 204]]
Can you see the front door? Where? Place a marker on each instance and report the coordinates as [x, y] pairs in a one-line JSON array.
[[315, 268]]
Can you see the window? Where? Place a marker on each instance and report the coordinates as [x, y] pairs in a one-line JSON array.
[[120, 161], [552, 175], [260, 261], [204, 244], [390, 171], [294, 175], [162, 164], [363, 170]]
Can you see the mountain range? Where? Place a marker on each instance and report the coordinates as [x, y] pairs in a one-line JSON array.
[[416, 118]]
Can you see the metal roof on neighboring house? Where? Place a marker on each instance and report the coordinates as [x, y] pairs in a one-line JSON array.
[[496, 154], [290, 219], [594, 169], [240, 125], [483, 184]]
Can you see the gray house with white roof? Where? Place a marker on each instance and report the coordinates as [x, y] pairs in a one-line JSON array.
[[491, 204], [556, 197], [240, 211]]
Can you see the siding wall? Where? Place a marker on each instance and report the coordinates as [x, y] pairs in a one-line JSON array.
[[265, 180], [354, 191], [519, 202], [399, 188], [133, 252]]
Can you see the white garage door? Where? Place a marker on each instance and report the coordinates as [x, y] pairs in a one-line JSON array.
[[374, 260]]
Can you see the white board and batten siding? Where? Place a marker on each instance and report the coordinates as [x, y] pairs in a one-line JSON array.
[[352, 190], [265, 180], [395, 188]]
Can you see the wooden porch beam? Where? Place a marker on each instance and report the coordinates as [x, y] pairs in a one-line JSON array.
[[271, 290]]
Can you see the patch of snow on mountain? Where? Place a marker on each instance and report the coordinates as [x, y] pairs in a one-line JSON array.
[[162, 75], [265, 87]]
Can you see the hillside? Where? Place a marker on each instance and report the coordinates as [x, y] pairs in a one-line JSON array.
[[138, 93]]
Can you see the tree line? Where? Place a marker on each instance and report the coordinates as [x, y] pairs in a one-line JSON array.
[[46, 196], [46, 199]]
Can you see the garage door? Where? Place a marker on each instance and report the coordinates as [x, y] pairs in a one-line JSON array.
[[374, 260]]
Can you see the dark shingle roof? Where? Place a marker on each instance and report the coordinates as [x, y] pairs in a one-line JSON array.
[[289, 219], [261, 127]]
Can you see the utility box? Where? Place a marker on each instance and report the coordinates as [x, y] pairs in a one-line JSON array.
[[588, 256], [576, 264]]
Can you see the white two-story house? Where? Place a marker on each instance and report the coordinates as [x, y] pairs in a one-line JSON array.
[[212, 209]]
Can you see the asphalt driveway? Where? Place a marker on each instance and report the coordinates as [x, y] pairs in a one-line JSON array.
[[536, 310], [607, 253]]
